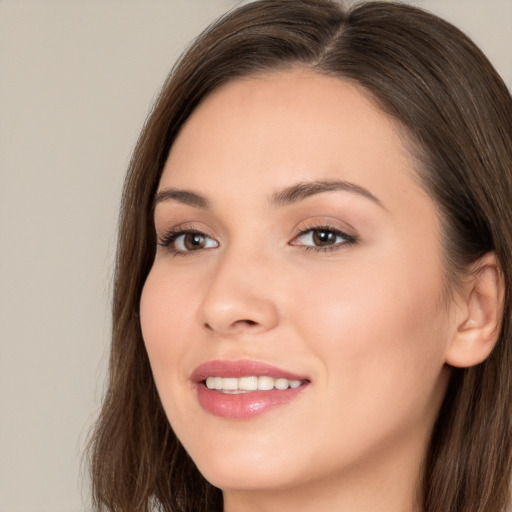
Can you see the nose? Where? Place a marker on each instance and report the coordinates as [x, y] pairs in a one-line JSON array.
[[239, 298]]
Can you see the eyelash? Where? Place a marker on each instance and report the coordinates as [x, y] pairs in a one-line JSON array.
[[348, 239], [173, 234], [168, 239]]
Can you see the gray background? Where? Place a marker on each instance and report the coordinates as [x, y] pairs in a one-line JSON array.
[[76, 80]]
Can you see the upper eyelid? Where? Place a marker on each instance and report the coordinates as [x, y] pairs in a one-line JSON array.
[[333, 229], [170, 235], [330, 224], [345, 230], [169, 239], [186, 227], [326, 226]]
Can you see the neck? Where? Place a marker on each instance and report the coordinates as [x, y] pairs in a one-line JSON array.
[[389, 485]]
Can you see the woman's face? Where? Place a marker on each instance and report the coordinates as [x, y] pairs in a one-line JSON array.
[[297, 255]]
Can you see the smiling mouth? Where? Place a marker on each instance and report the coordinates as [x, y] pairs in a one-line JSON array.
[[251, 383], [244, 389]]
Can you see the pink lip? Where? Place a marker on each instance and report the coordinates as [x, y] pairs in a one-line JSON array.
[[242, 405], [241, 368]]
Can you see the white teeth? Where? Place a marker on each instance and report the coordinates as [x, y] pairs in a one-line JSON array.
[[265, 383], [281, 384], [230, 384], [250, 383]]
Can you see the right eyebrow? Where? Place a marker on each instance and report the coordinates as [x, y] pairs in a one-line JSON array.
[[181, 196], [303, 190]]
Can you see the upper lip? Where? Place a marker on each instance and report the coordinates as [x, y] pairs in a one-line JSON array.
[[241, 368]]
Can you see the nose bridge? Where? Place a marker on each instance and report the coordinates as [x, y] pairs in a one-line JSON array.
[[239, 294]]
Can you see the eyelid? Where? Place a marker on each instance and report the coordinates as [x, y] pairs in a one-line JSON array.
[[168, 237], [323, 227], [309, 225], [324, 222]]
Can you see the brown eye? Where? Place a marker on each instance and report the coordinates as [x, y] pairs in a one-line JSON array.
[[192, 241], [322, 237]]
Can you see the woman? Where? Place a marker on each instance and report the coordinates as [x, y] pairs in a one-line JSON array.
[[312, 298]]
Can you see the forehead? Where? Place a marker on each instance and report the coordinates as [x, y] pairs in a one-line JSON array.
[[263, 132]]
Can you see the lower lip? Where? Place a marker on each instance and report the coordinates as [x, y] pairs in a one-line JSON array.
[[244, 405]]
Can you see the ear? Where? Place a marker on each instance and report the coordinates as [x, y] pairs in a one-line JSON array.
[[479, 310]]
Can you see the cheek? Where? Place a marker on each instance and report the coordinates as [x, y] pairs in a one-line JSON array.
[[380, 342], [378, 330], [166, 315]]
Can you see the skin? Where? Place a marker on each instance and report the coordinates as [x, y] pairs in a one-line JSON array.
[[369, 323]]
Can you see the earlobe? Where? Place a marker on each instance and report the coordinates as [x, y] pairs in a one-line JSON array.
[[478, 316]]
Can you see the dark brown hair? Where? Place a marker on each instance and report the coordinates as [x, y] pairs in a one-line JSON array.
[[456, 111]]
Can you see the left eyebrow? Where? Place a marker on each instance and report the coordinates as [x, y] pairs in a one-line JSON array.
[[303, 190]]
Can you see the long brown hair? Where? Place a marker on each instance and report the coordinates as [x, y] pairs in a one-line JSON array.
[[458, 114]]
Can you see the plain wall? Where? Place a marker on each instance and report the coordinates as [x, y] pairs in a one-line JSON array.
[[76, 81]]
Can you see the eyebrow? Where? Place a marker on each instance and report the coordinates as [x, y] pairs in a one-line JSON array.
[[303, 190], [289, 195], [181, 196]]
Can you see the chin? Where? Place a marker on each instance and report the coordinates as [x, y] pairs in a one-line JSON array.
[[238, 473]]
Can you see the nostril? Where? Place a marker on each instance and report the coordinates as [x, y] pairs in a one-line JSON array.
[[246, 323], [251, 323]]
